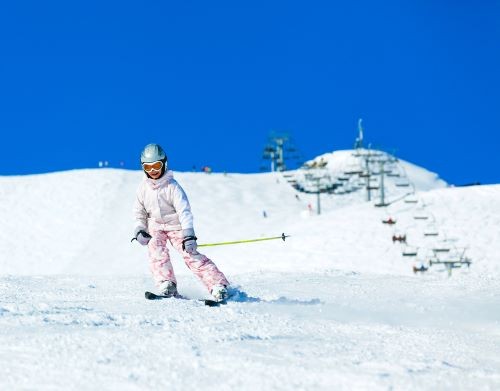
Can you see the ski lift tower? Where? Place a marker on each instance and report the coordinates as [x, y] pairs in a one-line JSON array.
[[358, 144], [321, 182], [316, 180], [366, 155], [382, 202], [275, 150]]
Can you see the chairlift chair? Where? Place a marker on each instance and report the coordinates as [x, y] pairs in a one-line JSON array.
[[431, 231], [409, 251], [354, 171], [420, 268], [402, 184], [421, 214], [399, 238], [450, 264], [440, 250]]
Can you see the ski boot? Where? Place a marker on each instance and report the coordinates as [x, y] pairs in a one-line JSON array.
[[168, 288], [220, 293]]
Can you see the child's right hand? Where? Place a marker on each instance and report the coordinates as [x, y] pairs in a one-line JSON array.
[[142, 237]]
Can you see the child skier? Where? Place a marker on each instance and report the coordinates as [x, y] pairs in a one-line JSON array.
[[162, 212]]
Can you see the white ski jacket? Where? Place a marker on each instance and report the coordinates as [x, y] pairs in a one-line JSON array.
[[162, 205]]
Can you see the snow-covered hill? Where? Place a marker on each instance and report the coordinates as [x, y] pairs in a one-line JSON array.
[[336, 306]]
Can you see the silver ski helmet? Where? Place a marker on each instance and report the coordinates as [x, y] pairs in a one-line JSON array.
[[152, 153]]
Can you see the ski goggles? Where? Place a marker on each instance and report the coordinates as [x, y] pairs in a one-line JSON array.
[[155, 166]]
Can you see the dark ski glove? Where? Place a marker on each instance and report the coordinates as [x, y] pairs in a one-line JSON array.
[[142, 237], [189, 242]]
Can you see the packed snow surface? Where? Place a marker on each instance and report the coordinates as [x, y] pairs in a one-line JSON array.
[[335, 306]]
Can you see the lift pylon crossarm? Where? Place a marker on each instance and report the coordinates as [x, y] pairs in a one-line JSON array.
[[457, 262]]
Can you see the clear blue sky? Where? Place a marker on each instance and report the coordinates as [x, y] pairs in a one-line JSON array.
[[83, 81]]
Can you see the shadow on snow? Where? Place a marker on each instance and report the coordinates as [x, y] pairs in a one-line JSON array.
[[239, 296]]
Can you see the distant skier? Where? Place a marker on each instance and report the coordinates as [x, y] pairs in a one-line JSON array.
[[162, 213]]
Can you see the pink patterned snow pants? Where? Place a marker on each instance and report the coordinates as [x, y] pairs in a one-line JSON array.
[[199, 264]]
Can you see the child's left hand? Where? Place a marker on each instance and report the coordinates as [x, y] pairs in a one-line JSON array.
[[189, 242]]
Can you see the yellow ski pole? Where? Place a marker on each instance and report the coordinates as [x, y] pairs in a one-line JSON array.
[[283, 237]]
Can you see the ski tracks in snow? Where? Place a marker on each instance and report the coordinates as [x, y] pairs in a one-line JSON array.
[[330, 331]]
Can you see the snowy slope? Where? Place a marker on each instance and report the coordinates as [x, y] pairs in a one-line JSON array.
[[336, 306]]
